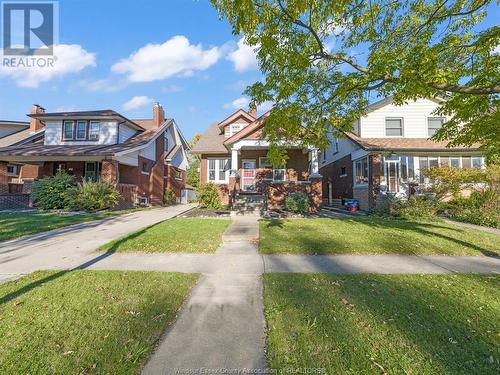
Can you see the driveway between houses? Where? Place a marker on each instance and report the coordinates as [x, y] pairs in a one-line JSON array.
[[74, 245]]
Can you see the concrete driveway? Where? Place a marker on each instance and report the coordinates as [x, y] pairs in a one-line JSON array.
[[74, 246]]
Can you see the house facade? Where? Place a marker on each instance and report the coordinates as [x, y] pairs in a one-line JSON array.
[[386, 151], [140, 157], [233, 156]]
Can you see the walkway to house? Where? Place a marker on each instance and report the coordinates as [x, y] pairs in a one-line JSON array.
[[472, 226]]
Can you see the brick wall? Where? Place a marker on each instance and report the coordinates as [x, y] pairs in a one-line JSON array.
[[362, 195], [278, 193], [341, 185], [375, 175], [157, 176], [4, 179], [109, 171], [172, 183]]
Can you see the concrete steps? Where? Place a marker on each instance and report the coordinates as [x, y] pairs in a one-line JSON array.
[[249, 204]]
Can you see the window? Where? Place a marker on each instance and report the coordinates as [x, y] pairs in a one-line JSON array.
[[394, 127], [466, 162], [361, 167], [218, 170], [92, 171], [455, 161], [12, 170], [343, 172], [265, 163], [68, 130], [94, 130], [145, 168], [433, 125], [423, 164], [324, 155], [477, 162], [444, 161], [178, 175], [81, 130], [234, 128], [279, 174], [335, 145], [433, 161]]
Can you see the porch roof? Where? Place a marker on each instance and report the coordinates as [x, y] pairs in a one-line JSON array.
[[405, 144]]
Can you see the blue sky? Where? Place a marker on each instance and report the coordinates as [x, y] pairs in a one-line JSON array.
[[193, 64], [124, 55]]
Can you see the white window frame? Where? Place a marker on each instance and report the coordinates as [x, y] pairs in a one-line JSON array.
[[232, 130], [16, 168], [402, 127], [443, 119], [354, 175], [64, 138], [93, 122], [218, 162], [165, 142], [85, 124]]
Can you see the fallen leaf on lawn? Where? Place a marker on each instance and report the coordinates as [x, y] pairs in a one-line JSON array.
[[68, 352]]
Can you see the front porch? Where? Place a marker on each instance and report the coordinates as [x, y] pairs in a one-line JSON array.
[[255, 175]]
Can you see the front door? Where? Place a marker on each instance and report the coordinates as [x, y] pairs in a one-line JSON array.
[[392, 173], [248, 177]]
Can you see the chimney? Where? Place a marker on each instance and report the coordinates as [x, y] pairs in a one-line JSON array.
[[158, 115], [36, 124], [253, 110]]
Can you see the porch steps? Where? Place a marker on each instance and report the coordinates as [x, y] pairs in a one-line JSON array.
[[249, 204], [334, 209]]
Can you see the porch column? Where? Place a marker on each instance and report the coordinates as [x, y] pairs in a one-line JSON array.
[[234, 162], [109, 171], [4, 179], [314, 163]]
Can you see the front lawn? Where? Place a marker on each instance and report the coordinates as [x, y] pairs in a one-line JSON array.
[[187, 235], [367, 324], [372, 235], [83, 322], [17, 224]]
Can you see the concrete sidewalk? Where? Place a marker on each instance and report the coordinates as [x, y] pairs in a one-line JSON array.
[[74, 245], [222, 325]]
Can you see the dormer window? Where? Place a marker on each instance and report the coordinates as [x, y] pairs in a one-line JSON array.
[[68, 129], [94, 130], [234, 128], [81, 130]]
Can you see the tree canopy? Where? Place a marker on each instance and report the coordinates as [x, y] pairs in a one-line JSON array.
[[324, 61]]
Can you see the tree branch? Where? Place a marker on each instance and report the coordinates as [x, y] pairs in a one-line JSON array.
[[474, 90]]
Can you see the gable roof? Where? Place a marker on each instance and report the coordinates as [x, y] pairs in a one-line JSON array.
[[249, 129], [239, 113], [405, 144], [388, 100], [19, 138]]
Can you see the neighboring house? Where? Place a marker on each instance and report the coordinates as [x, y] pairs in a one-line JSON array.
[[385, 152], [234, 156], [10, 127], [142, 157]]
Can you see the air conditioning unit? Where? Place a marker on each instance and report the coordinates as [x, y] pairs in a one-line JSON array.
[[142, 201]]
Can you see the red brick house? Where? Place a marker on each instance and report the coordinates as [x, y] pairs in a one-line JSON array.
[[141, 157], [385, 152], [234, 156]]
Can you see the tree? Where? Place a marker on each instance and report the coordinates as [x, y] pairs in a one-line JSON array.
[[323, 62], [193, 172]]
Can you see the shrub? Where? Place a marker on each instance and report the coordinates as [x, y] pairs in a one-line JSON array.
[[168, 197], [415, 207], [481, 208], [91, 196], [448, 181], [52, 192], [208, 196], [297, 202]]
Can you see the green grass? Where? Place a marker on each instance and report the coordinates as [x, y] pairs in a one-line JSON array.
[[82, 322], [17, 224], [187, 235], [367, 324], [372, 235]]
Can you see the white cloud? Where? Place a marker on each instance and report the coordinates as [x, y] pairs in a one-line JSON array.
[[244, 57], [159, 61], [137, 102], [238, 103], [68, 59]]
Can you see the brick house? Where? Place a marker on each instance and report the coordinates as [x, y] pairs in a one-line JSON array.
[[141, 157], [385, 151], [233, 156]]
